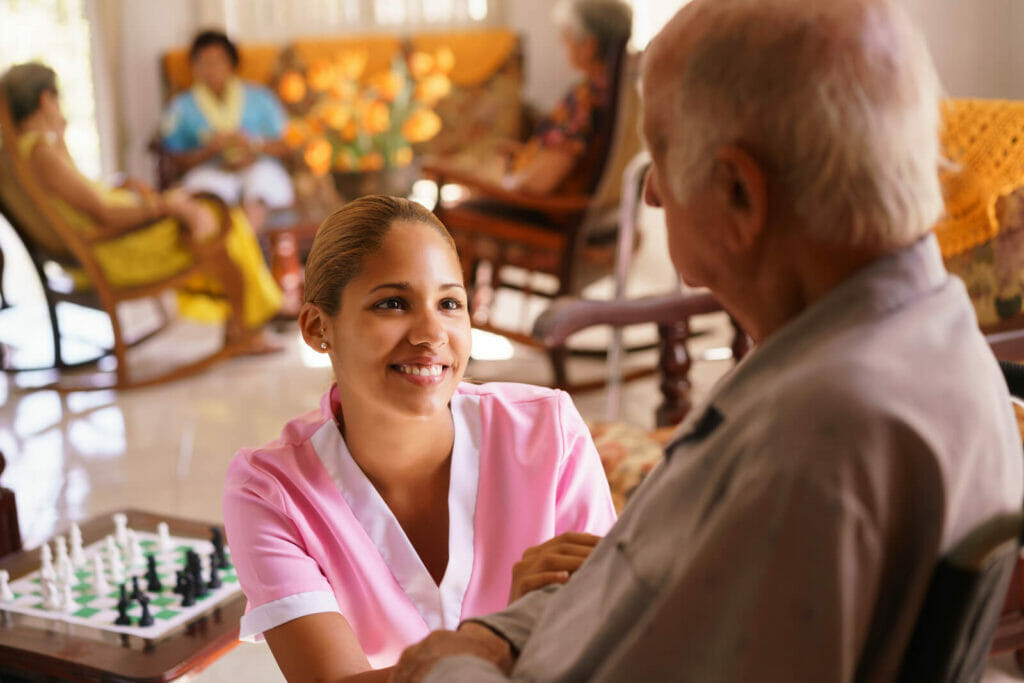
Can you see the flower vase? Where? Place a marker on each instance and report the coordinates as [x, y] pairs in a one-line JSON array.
[[392, 181]]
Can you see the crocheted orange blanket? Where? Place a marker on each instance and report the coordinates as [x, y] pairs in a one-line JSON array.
[[984, 140]]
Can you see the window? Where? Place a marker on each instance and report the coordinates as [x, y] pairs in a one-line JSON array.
[[276, 21], [56, 32]]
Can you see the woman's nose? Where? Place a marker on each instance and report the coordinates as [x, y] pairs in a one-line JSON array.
[[428, 330]]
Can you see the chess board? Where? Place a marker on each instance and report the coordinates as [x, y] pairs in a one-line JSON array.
[[100, 611]]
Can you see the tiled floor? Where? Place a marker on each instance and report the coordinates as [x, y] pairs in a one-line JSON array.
[[165, 449]]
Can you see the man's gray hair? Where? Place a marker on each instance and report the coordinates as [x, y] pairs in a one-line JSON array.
[[609, 22], [838, 102], [24, 83]]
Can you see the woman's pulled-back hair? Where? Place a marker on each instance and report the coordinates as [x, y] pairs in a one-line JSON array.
[[23, 84], [348, 236]]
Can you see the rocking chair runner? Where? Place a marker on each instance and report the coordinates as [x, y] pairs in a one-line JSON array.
[[540, 234], [50, 239]]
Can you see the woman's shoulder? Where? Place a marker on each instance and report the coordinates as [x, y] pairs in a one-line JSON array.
[[510, 392], [283, 457], [520, 403]]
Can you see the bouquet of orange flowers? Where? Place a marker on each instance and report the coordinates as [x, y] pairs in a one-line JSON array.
[[345, 122]]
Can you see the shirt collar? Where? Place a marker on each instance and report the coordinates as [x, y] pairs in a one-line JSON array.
[[884, 285]]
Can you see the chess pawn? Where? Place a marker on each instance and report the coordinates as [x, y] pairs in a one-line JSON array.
[[67, 599], [46, 555], [6, 594], [77, 553], [66, 572], [99, 578], [51, 599], [135, 555], [121, 529], [116, 568], [62, 549], [163, 533], [46, 570]]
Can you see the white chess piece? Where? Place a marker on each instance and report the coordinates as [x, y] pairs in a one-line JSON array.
[[51, 599], [116, 568], [6, 594], [62, 549], [67, 599], [77, 553], [66, 571], [164, 534], [99, 577], [46, 570], [121, 529], [135, 555]]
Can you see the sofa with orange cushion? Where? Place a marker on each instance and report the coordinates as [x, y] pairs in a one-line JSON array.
[[485, 102]]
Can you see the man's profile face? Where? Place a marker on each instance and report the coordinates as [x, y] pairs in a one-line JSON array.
[[689, 221]]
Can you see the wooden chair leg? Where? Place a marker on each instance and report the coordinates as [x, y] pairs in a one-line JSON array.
[[675, 364], [559, 356], [3, 299]]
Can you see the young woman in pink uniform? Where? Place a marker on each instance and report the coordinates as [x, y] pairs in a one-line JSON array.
[[409, 500]]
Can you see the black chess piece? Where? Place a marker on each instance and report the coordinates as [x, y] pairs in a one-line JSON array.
[[217, 539], [179, 581], [215, 581], [122, 610], [124, 595], [188, 591], [146, 619], [136, 592], [153, 584]]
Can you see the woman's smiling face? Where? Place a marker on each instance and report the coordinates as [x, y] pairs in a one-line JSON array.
[[400, 340]]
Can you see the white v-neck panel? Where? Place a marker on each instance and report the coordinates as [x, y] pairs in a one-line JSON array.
[[439, 606]]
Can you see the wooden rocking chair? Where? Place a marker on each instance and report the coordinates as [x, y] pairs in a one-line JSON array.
[[50, 240], [540, 234]]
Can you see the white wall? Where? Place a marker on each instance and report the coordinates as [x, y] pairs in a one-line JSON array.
[[975, 44]]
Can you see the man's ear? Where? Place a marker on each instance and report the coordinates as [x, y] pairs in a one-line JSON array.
[[740, 183], [312, 323]]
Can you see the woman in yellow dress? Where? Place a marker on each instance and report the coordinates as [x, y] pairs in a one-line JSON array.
[[153, 251]]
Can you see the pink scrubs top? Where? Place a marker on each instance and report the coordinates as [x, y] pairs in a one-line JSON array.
[[309, 533]]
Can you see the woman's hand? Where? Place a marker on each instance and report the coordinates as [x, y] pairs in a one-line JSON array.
[[201, 223], [553, 561]]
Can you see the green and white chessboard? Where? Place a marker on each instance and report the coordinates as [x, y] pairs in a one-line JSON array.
[[100, 611]]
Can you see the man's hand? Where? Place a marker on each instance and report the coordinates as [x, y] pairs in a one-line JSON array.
[[550, 562], [471, 639]]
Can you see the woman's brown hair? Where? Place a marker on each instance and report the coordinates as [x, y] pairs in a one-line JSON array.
[[348, 236]]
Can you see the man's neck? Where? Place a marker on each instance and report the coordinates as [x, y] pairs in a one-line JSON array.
[[789, 279]]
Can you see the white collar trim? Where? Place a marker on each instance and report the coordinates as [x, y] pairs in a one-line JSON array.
[[439, 605]]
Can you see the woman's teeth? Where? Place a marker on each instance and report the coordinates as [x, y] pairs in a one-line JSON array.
[[421, 370]]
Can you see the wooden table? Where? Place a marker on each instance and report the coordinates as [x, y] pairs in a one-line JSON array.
[[33, 653]]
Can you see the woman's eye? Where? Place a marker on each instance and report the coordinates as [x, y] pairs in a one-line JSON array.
[[390, 304], [451, 304]]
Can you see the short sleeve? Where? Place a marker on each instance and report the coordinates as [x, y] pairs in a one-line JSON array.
[[271, 114], [279, 579], [571, 122], [174, 129], [583, 500]]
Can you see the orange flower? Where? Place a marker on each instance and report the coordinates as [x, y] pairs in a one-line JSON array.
[[432, 88], [374, 161], [401, 156], [344, 90], [321, 76], [376, 117], [352, 63], [318, 156], [295, 134], [291, 88], [336, 116], [421, 125], [344, 161], [350, 131], [388, 84], [420, 64], [444, 59]]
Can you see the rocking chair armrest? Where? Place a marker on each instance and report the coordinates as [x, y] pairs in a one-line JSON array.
[[443, 172], [569, 315], [104, 233]]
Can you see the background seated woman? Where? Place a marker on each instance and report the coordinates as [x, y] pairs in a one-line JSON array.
[[225, 134], [409, 500], [151, 247]]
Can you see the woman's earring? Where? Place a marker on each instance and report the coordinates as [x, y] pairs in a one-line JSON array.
[[323, 346]]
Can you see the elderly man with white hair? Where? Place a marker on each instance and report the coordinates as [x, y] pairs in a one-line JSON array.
[[791, 531]]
